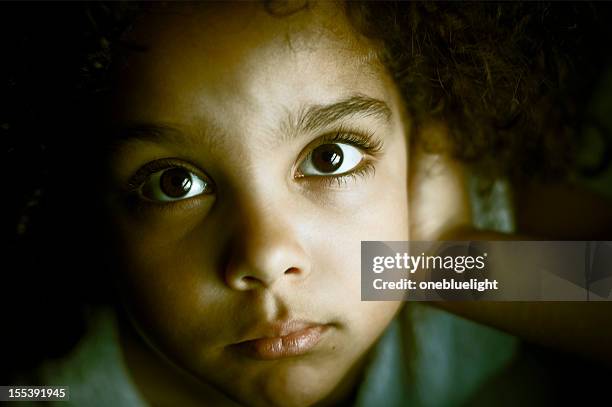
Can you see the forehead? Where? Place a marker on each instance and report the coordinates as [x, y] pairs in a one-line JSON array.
[[217, 62]]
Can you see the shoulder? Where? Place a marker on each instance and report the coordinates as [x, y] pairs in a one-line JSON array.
[[94, 370]]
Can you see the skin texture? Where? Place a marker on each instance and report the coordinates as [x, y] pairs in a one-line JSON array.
[[204, 273], [221, 89], [266, 244]]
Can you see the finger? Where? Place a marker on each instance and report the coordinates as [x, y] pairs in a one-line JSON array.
[[438, 188]]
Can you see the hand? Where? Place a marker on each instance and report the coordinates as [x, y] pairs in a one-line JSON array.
[[440, 209], [438, 189]]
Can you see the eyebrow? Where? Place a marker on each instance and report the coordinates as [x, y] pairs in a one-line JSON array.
[[311, 118], [317, 117]]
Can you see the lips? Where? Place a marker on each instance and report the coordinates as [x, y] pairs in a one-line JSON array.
[[282, 340]]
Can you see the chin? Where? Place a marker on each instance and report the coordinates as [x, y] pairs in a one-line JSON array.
[[292, 386]]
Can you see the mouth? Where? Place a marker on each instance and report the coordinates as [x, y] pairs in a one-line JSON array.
[[283, 340]]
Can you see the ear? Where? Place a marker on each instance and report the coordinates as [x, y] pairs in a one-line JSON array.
[[438, 187]]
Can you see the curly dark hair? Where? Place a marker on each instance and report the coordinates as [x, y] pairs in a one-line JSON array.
[[510, 80]]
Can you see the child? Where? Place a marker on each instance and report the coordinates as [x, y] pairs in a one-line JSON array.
[[246, 151]]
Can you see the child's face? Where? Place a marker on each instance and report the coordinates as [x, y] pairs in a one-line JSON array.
[[254, 234]]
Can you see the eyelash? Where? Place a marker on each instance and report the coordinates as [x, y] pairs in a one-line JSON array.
[[365, 141], [340, 181], [136, 181], [132, 190]]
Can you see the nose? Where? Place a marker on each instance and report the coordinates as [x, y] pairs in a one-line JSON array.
[[267, 247]]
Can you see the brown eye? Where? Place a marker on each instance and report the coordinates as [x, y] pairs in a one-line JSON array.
[[327, 158], [331, 159], [173, 184]]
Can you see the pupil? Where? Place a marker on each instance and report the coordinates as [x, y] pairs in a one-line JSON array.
[[175, 182], [327, 158]]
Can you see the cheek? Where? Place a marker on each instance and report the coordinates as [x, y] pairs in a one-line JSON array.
[[170, 284], [380, 213], [376, 210]]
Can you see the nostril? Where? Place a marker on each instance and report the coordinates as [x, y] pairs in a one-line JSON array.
[[249, 280], [292, 270]]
